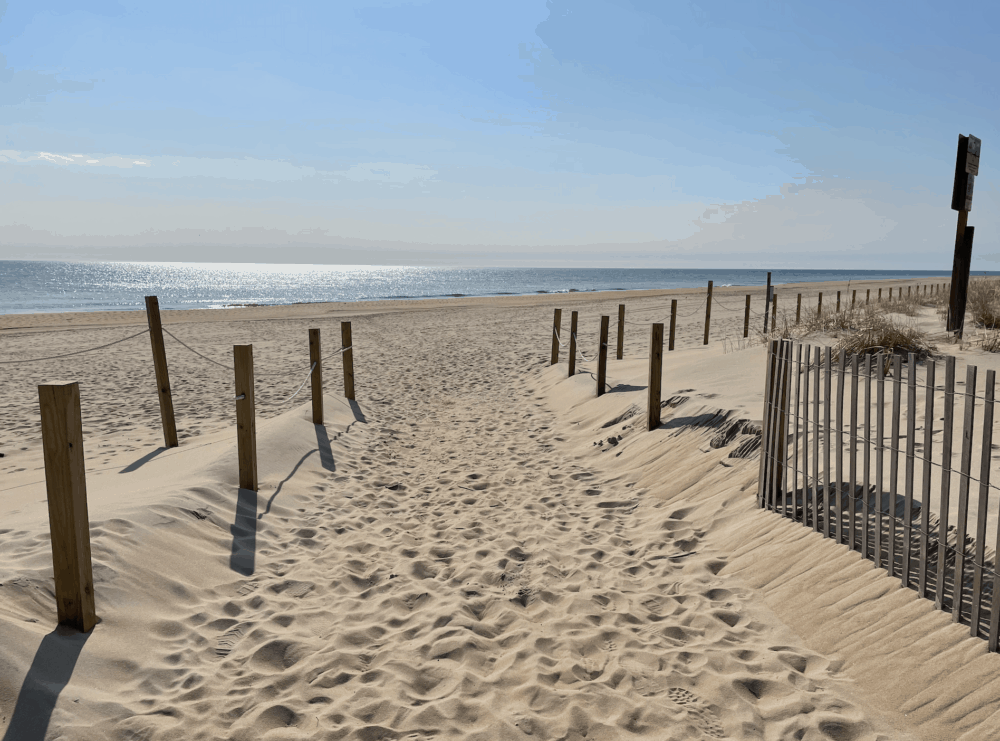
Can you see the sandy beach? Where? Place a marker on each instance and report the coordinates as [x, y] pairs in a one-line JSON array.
[[478, 547]]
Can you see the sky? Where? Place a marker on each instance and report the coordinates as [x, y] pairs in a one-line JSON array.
[[588, 133]]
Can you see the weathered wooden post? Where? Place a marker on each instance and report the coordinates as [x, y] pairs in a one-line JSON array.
[[246, 423], [880, 295], [621, 331], [655, 376], [966, 169], [556, 327], [572, 343], [798, 310], [746, 318], [854, 297], [66, 488], [602, 356], [708, 311], [774, 310], [767, 301], [673, 322], [316, 363], [348, 356], [160, 369], [838, 302], [890, 294], [819, 305], [868, 295]]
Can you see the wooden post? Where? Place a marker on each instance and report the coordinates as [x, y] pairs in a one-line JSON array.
[[708, 312], [925, 492], [838, 302], [852, 476], [866, 457], [348, 355], [960, 282], [880, 295], [746, 318], [66, 488], [819, 305], [673, 322], [774, 310], [316, 363], [890, 294], [572, 343], [945, 505], [556, 328], [807, 519], [854, 297], [897, 388], [765, 427], [962, 526], [602, 357], [798, 310], [655, 376], [767, 301], [160, 369], [868, 296], [621, 331], [246, 423], [911, 441], [984, 499]]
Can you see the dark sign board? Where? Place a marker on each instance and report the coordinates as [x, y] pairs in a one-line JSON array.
[[966, 169]]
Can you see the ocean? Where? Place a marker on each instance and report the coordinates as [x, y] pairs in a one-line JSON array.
[[28, 286]]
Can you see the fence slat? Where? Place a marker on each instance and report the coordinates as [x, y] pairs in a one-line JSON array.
[[925, 492], [807, 519], [852, 476], [621, 332], [827, 437], [708, 312], [897, 392], [961, 527], [797, 375], [772, 473], [841, 364], [866, 457], [656, 377], [572, 343], [765, 426], [940, 597], [879, 454], [984, 498], [911, 439], [816, 435], [784, 400], [556, 329]]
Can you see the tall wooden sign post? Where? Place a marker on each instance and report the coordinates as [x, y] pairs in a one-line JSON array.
[[966, 169]]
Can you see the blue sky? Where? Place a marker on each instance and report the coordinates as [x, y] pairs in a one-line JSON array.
[[610, 132]]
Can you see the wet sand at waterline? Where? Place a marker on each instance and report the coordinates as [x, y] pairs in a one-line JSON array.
[[477, 548]]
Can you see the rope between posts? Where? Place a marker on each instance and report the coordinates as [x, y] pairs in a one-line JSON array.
[[78, 352], [341, 351], [308, 376], [203, 357], [585, 358], [556, 333]]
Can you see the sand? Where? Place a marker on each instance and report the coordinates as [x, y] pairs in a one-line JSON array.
[[477, 548]]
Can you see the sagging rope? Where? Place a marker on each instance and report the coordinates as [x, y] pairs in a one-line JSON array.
[[78, 352], [585, 358], [204, 357], [556, 333]]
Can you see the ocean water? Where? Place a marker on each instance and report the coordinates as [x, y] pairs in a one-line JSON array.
[[49, 286]]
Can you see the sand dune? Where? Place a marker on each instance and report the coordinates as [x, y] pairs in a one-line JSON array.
[[478, 548]]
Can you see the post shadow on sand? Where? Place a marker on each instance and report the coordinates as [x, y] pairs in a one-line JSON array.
[[136, 464], [285, 480], [50, 671], [244, 530], [325, 451]]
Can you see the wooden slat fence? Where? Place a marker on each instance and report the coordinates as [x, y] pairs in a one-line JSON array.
[[906, 522]]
